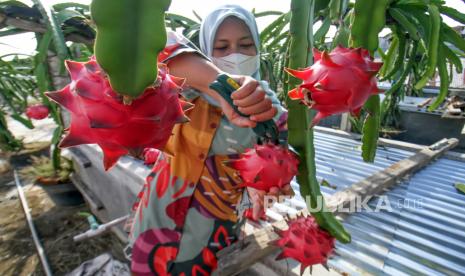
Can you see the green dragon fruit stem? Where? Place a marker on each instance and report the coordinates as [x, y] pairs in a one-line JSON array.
[[299, 122]]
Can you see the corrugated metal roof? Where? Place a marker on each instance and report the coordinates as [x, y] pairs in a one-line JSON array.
[[340, 163], [424, 233], [428, 240]]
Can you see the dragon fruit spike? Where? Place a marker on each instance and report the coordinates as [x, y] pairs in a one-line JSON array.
[[101, 116], [178, 81], [74, 68], [186, 106], [338, 82], [326, 60], [305, 74], [305, 242]]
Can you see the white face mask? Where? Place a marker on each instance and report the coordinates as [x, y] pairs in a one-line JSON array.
[[237, 64]]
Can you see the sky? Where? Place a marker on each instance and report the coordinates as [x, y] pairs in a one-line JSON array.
[[25, 43]]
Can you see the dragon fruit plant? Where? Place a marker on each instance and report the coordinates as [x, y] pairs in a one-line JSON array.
[[130, 35], [265, 166], [37, 111], [308, 240], [99, 115], [305, 242], [338, 82], [122, 99]]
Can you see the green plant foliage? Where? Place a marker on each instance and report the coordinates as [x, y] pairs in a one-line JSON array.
[[42, 168]]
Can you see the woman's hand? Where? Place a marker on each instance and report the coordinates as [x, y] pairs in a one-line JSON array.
[[257, 198], [252, 100], [250, 97]]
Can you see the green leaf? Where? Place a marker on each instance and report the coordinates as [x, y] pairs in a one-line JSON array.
[[342, 36], [65, 15], [57, 135], [7, 140], [444, 78], [43, 44], [388, 61], [197, 15], [453, 13], [334, 10], [275, 28], [279, 40], [405, 71], [181, 18], [412, 4], [4, 3], [460, 187], [56, 158], [325, 183], [371, 129], [323, 30], [54, 25], [321, 5], [405, 23], [453, 58], [267, 13], [369, 20], [451, 36], [433, 45], [130, 34], [26, 122], [40, 60], [401, 51]]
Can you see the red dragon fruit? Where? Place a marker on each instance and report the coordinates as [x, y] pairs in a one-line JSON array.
[[338, 82], [150, 155], [37, 111], [248, 214], [305, 242], [265, 166], [99, 115]]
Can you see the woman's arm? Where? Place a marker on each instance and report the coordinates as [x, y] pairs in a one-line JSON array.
[[199, 73]]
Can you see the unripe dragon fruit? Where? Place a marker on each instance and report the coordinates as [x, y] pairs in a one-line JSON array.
[[100, 116], [338, 82], [265, 166], [305, 242], [37, 111]]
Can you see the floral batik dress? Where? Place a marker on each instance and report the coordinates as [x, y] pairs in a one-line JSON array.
[[187, 210]]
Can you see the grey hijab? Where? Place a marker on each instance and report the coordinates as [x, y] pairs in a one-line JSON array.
[[214, 19]]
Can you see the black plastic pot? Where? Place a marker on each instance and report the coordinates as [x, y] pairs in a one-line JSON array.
[[426, 128]]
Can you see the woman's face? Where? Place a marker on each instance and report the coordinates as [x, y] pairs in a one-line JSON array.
[[233, 36]]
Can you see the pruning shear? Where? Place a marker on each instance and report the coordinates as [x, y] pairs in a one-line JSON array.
[[225, 86]]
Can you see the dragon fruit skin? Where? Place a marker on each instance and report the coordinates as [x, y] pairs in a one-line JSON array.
[[265, 166], [37, 111], [338, 82], [150, 155], [305, 242], [99, 115]]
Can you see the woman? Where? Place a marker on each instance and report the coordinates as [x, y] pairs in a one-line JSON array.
[[188, 209]]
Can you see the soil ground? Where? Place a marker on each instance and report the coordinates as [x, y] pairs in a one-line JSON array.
[[56, 226]]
